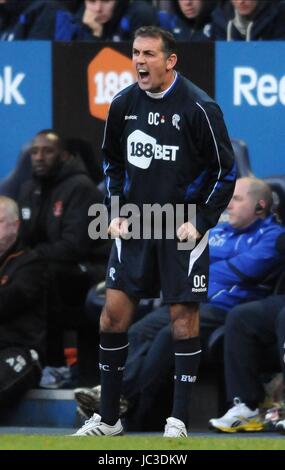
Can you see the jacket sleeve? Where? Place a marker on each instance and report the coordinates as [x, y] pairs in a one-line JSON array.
[[39, 20], [219, 23], [25, 289], [252, 265], [113, 165], [217, 158]]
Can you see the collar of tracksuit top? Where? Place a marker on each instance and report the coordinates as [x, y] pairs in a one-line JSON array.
[[252, 227]]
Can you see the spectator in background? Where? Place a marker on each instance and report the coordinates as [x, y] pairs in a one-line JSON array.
[[54, 211], [190, 20], [250, 330], [22, 308], [254, 340], [244, 249], [108, 20], [11, 184], [249, 20], [34, 19]]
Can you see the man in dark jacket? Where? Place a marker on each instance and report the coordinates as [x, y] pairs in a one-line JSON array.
[[32, 19], [22, 308], [54, 211]]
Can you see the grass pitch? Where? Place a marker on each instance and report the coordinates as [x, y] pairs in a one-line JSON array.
[[40, 442]]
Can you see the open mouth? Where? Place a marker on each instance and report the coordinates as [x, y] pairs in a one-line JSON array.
[[143, 75]]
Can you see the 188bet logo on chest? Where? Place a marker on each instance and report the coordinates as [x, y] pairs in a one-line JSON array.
[[142, 148]]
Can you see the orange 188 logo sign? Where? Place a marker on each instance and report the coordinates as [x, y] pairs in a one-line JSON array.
[[108, 73]]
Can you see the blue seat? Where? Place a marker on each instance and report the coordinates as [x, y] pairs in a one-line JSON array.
[[242, 158], [277, 184]]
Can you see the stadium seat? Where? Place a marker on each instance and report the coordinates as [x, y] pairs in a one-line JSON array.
[[242, 158], [83, 149], [277, 184], [10, 185]]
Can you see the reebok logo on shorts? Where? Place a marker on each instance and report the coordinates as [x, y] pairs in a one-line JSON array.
[[199, 289]]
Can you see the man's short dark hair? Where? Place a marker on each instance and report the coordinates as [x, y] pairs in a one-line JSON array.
[[168, 41], [60, 142]]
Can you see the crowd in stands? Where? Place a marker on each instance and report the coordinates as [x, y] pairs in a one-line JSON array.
[[116, 20], [43, 288]]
